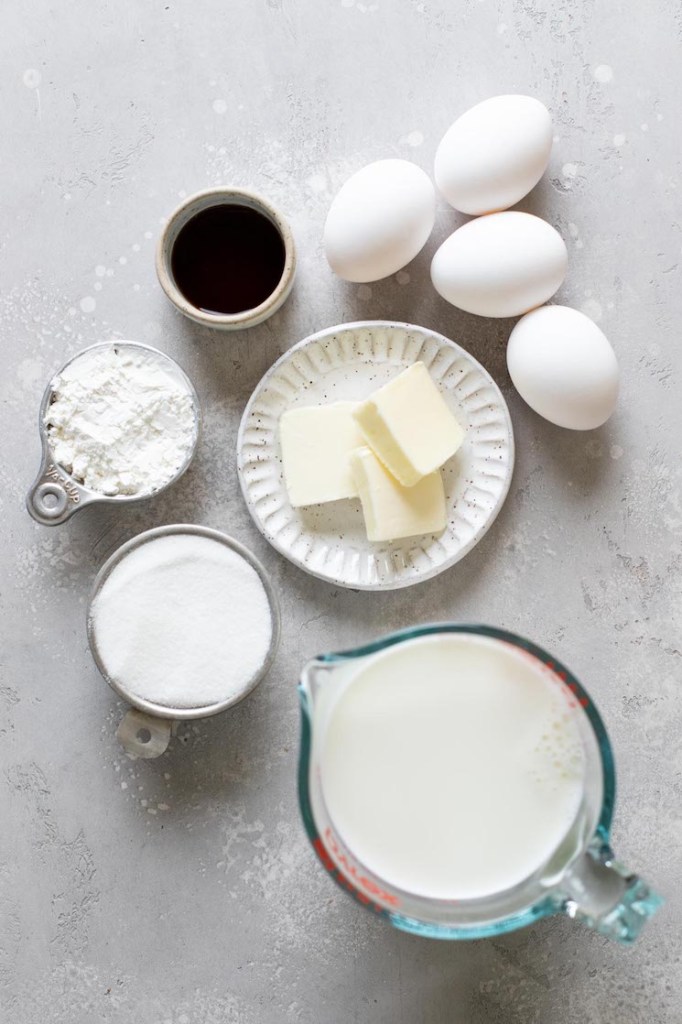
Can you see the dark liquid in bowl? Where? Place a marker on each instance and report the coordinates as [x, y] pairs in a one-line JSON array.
[[228, 259]]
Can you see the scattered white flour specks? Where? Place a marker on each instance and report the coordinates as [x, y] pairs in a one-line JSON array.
[[30, 372], [569, 171], [123, 260], [644, 127], [87, 304], [603, 73], [364, 292], [403, 277], [100, 271], [219, 106], [97, 286], [501, 28], [616, 451], [414, 139], [32, 78], [573, 230], [619, 140]]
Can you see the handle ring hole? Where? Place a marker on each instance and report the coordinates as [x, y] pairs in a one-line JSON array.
[[51, 500]]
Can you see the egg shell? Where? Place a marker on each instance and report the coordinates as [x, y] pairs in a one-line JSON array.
[[500, 265], [379, 220], [563, 366], [494, 154]]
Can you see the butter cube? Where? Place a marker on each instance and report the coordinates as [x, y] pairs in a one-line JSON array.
[[409, 426], [392, 511], [317, 441]]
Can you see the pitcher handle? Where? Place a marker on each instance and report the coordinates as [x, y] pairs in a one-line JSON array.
[[599, 892]]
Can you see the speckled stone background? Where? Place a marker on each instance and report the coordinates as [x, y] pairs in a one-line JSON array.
[[182, 891]]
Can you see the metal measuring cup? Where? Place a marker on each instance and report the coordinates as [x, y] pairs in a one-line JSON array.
[[56, 495], [145, 731]]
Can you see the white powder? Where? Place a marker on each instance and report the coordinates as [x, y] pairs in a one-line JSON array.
[[122, 420], [182, 621]]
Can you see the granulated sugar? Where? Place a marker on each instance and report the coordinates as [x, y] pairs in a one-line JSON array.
[[182, 621]]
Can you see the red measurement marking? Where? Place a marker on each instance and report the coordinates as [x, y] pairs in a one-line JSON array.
[[331, 867], [321, 852], [347, 867]]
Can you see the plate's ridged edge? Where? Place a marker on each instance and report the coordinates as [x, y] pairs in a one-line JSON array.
[[389, 566]]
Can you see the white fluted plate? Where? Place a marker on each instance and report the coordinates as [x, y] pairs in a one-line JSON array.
[[349, 362]]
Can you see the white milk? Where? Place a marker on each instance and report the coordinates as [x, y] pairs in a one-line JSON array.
[[452, 765]]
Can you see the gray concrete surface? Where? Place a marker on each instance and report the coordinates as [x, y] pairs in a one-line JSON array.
[[182, 891]]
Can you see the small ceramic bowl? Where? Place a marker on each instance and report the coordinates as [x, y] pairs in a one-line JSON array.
[[184, 213]]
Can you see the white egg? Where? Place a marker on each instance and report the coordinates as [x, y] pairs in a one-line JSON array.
[[563, 366], [379, 220], [500, 265], [493, 155]]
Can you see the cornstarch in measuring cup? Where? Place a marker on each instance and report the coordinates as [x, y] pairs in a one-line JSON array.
[[182, 621], [122, 421]]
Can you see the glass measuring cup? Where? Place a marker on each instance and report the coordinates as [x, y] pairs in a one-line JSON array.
[[56, 494], [581, 878]]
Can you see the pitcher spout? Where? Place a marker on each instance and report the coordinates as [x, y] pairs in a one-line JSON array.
[[313, 677], [599, 892]]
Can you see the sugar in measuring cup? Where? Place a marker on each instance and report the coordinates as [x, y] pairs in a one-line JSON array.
[[183, 623], [459, 782]]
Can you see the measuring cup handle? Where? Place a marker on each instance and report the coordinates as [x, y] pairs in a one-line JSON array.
[[143, 735], [603, 895], [54, 497]]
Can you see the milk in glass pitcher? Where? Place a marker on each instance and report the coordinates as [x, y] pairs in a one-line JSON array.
[[459, 782]]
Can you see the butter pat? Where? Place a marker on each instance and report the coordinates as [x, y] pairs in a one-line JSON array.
[[392, 511], [316, 444], [409, 426]]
